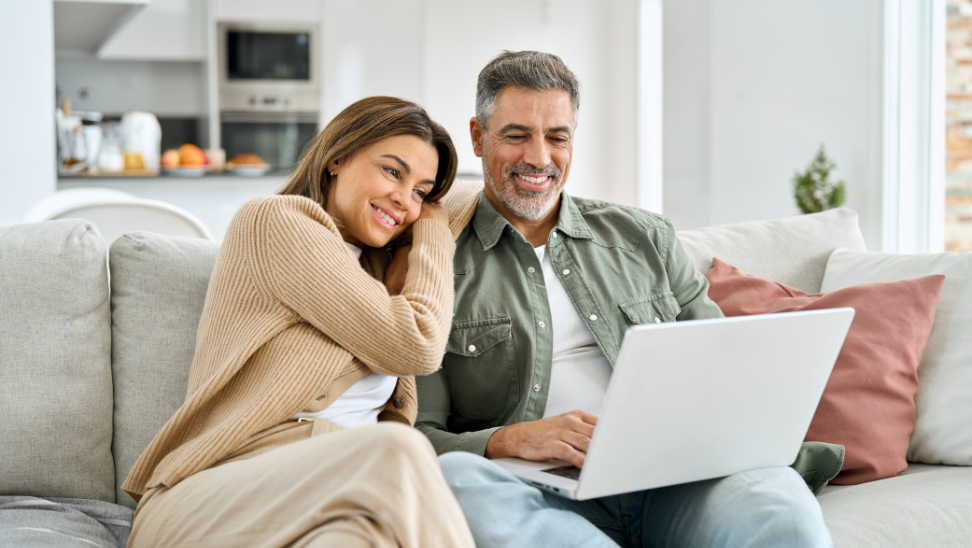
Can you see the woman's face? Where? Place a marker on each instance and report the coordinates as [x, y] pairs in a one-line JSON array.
[[378, 192]]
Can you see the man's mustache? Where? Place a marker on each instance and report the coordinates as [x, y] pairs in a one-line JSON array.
[[528, 169]]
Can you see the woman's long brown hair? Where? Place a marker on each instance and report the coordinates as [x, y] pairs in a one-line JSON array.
[[361, 124]]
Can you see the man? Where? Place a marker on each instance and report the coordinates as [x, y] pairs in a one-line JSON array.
[[545, 286]]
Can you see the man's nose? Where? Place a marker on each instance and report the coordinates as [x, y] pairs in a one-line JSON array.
[[537, 153]]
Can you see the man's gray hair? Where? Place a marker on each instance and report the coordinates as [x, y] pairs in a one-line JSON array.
[[527, 70]]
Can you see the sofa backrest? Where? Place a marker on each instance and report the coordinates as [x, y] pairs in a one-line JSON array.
[[158, 288], [55, 362], [791, 251]]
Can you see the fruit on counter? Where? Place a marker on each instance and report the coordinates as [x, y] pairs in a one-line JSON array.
[[134, 161], [191, 156], [249, 160], [171, 159]]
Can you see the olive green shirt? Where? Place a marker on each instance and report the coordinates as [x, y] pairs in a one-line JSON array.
[[620, 266]]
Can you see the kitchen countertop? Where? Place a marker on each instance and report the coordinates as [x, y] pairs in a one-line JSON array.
[[163, 175], [213, 199]]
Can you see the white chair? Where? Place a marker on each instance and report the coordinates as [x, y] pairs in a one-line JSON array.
[[115, 212]]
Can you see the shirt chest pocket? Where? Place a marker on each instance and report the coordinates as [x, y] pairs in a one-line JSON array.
[[658, 308], [480, 366]]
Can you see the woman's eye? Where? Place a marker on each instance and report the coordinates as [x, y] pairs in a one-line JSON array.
[[421, 194], [392, 171]]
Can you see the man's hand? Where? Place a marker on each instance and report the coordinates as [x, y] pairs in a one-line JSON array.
[[398, 267], [565, 437]]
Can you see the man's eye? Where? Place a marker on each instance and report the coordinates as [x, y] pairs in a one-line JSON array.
[[559, 140], [516, 137]]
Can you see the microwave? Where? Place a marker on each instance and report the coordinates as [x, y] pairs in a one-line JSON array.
[[268, 67]]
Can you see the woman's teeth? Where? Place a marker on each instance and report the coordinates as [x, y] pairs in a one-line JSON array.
[[385, 216]]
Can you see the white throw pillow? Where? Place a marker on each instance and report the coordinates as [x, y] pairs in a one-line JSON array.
[[943, 429]]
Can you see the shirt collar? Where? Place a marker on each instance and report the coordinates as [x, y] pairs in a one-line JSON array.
[[489, 224]]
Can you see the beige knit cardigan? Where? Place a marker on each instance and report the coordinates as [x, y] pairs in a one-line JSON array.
[[292, 320]]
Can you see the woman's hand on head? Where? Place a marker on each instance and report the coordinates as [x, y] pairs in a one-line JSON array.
[[434, 211]]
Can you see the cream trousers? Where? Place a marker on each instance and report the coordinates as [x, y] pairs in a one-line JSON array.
[[374, 486]]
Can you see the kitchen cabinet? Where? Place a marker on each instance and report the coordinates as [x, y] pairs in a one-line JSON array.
[[82, 26], [261, 10], [166, 30]]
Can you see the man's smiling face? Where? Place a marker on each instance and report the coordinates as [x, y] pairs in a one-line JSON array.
[[526, 150]]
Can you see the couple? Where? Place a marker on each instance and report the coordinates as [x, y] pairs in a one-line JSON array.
[[315, 340]]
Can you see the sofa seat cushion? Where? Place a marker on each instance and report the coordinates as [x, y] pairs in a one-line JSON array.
[[55, 362], [30, 522], [791, 251], [927, 505], [158, 289]]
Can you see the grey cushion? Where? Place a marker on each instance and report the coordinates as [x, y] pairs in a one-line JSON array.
[[927, 505], [158, 288], [55, 362], [58, 523], [792, 251]]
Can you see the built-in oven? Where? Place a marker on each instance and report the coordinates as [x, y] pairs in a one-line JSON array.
[[269, 90]]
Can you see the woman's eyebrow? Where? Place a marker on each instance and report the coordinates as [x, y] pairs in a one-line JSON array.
[[408, 169]]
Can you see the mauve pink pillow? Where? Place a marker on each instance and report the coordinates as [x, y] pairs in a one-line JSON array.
[[868, 405]]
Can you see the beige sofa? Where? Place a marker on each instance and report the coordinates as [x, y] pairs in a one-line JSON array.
[[88, 376]]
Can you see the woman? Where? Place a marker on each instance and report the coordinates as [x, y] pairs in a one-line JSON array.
[[298, 338]]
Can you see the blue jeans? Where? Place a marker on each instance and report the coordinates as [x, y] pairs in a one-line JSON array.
[[771, 507]]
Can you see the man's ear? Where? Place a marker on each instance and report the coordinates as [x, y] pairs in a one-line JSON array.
[[476, 134]]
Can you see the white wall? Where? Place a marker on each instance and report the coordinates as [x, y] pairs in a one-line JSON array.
[[27, 95], [431, 51], [752, 87]]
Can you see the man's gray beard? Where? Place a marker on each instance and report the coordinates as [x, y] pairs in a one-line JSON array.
[[525, 204]]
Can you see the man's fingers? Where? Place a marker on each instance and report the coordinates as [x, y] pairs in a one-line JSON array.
[[586, 417], [564, 451], [583, 428], [577, 441]]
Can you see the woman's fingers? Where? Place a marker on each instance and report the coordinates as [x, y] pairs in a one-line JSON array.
[[434, 211]]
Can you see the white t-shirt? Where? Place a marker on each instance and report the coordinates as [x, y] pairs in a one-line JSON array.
[[580, 372], [361, 403]]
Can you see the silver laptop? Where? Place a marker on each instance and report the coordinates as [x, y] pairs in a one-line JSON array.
[[690, 401]]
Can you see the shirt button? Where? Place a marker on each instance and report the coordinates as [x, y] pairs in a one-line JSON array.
[[592, 317], [531, 270], [541, 324], [472, 347], [555, 234], [657, 320], [565, 272], [536, 388]]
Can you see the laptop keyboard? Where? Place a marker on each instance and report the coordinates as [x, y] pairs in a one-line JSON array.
[[571, 472]]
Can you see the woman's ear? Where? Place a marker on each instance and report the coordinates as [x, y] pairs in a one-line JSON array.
[[333, 167]]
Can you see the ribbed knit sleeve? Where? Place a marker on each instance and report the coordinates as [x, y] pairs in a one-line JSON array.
[[300, 260]]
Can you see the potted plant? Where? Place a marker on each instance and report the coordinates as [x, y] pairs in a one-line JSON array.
[[813, 189]]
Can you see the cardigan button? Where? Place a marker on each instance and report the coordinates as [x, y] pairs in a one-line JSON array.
[[398, 403], [321, 397]]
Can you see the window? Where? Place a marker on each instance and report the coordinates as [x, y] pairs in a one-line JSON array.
[[958, 123]]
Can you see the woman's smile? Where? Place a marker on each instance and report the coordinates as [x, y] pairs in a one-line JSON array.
[[386, 218]]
